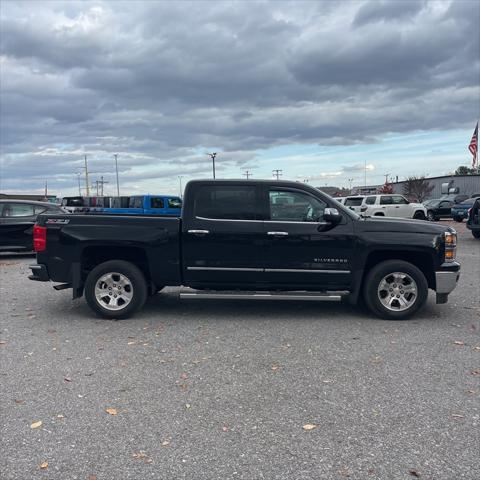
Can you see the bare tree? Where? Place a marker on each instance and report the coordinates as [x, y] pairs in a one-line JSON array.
[[417, 188]]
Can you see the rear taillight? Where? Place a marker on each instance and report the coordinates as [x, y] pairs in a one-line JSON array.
[[39, 238]]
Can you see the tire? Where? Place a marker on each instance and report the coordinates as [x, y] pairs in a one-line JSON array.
[[458, 219], [419, 215], [431, 216], [384, 272], [102, 284], [476, 233], [379, 215]]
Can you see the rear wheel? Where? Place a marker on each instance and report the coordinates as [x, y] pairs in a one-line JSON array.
[[395, 290], [115, 289], [458, 219], [476, 233]]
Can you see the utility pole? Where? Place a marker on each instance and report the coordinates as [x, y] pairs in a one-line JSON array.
[[180, 181], [116, 170], [102, 183], [46, 190], [87, 186], [213, 155], [247, 174], [277, 173], [350, 180], [386, 177], [365, 172]]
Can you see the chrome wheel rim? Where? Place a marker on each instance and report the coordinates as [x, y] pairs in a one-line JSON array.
[[397, 291], [114, 291]]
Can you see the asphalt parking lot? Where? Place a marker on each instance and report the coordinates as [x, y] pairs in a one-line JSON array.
[[238, 390]]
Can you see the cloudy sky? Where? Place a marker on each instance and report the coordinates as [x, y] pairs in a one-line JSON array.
[[316, 89]]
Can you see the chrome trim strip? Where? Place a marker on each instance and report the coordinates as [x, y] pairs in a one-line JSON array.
[[299, 270], [269, 270], [259, 221], [227, 269]]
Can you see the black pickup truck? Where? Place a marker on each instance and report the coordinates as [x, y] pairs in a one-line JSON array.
[[248, 239]]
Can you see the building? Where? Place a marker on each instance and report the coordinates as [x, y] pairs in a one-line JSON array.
[[37, 198], [453, 184]]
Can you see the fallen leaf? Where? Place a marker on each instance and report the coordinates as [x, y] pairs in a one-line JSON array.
[[471, 391], [92, 477], [51, 330], [19, 402], [225, 428], [414, 473], [131, 343], [36, 424], [457, 415], [183, 376], [344, 472], [67, 379], [183, 386], [43, 465], [165, 443], [275, 367], [60, 416], [187, 406], [309, 426], [327, 381], [3, 342], [475, 372], [477, 348], [139, 455], [111, 411], [458, 342]]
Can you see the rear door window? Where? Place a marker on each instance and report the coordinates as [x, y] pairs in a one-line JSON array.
[[156, 202], [384, 200], [226, 202], [370, 200], [18, 210]]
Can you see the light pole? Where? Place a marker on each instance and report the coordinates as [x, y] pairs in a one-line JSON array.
[[247, 174], [213, 155], [180, 180], [79, 187], [277, 173], [116, 170], [350, 180]]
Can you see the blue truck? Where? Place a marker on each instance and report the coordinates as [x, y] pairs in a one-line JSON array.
[[149, 205], [460, 210]]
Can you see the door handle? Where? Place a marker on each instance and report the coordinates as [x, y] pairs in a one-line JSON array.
[[397, 206], [278, 234], [199, 232]]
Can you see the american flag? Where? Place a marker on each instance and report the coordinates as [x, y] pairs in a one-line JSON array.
[[473, 147]]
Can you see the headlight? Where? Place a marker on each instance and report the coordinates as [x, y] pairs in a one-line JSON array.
[[450, 246]]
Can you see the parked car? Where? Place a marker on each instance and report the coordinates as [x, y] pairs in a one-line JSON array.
[[17, 218], [460, 210], [392, 205], [437, 209], [250, 239], [354, 202], [473, 221], [150, 205], [340, 199]]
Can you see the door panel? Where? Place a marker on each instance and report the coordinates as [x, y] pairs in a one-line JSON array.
[[16, 225], [222, 243], [306, 253]]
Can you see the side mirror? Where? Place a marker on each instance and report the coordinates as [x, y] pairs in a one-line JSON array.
[[332, 215]]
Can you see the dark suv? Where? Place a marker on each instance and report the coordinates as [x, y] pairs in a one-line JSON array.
[[17, 218]]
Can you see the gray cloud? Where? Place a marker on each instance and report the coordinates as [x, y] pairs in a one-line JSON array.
[[161, 82]]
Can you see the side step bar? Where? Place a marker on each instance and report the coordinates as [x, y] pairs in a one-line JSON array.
[[246, 295]]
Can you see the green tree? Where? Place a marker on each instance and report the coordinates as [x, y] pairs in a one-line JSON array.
[[463, 170], [417, 188]]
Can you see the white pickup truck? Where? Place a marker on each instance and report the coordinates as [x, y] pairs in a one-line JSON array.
[[392, 206]]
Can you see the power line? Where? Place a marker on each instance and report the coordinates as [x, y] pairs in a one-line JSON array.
[[277, 173]]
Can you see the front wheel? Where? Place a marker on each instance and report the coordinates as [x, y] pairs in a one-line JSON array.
[[115, 289], [419, 215], [476, 233], [431, 216], [395, 290], [458, 219]]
